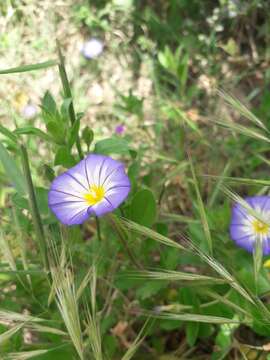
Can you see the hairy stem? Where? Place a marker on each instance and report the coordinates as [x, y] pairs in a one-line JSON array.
[[34, 208]]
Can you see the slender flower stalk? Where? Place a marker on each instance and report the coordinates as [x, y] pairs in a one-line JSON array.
[[34, 208], [123, 236]]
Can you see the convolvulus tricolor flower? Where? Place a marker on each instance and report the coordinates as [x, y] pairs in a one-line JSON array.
[[96, 185], [245, 228]]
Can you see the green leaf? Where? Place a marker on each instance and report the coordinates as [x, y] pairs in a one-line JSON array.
[[12, 171], [25, 68], [57, 130], [48, 103], [8, 133], [31, 130], [20, 202], [149, 289], [73, 133], [65, 107], [112, 146], [64, 157], [192, 331], [143, 209]]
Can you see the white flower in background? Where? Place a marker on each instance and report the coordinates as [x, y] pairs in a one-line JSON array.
[[29, 111], [92, 48]]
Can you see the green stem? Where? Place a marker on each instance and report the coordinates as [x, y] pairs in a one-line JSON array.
[[68, 94], [34, 208], [123, 238], [98, 229]]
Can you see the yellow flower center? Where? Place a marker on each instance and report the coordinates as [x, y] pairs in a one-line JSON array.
[[260, 227], [95, 195]]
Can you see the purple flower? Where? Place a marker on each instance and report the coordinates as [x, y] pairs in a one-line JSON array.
[[92, 48], [96, 185], [119, 129], [245, 228]]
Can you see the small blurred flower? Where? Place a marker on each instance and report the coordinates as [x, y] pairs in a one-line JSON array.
[[29, 111], [20, 100], [120, 129], [245, 228], [193, 114], [95, 186], [266, 264], [92, 48]]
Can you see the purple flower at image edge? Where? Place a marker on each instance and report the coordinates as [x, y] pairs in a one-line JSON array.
[[119, 129], [245, 228], [95, 186], [92, 48]]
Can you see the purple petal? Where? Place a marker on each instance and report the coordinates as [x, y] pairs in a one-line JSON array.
[[239, 214], [240, 231], [67, 184], [117, 195], [69, 212], [100, 167], [266, 246], [101, 208], [117, 177], [257, 201], [246, 242]]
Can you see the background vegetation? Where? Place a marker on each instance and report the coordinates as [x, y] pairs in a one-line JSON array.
[[189, 82]]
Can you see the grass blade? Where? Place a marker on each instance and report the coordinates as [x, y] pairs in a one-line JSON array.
[[222, 272], [244, 130], [136, 343], [9, 333], [66, 299], [93, 323], [25, 355], [201, 208], [241, 108], [25, 68], [220, 181], [150, 233], [244, 181], [191, 317], [170, 275], [178, 218], [10, 316]]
